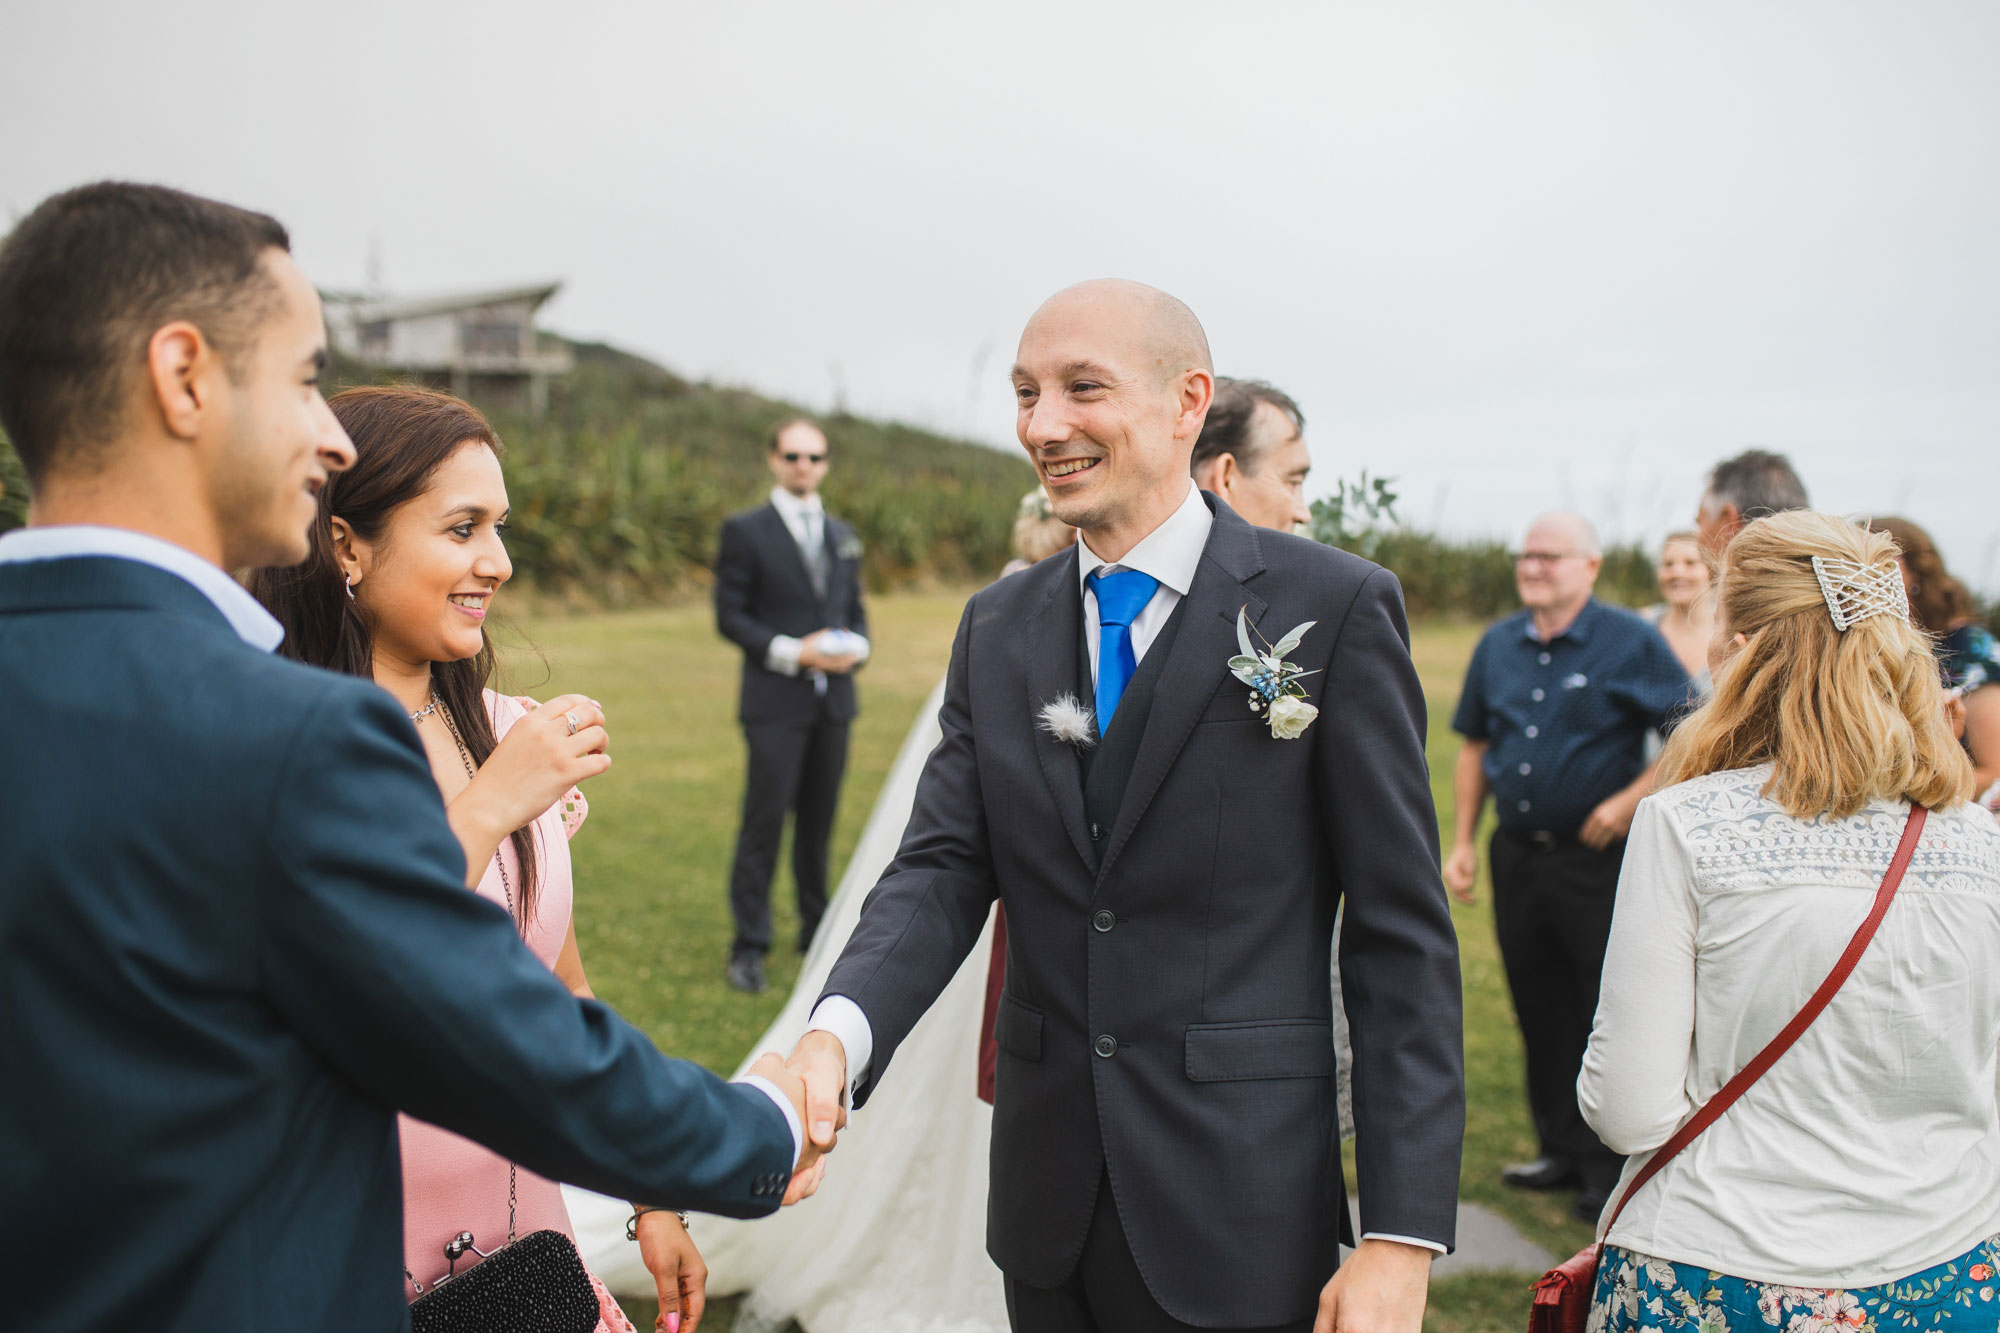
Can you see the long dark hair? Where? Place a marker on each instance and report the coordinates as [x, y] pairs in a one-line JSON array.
[[401, 435]]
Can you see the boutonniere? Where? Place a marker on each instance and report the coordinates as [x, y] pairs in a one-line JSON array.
[[1065, 718], [848, 547], [1274, 683]]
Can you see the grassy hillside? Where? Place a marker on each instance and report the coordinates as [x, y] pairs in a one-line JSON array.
[[618, 492]]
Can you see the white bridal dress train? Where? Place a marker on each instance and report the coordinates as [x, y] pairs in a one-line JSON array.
[[895, 1240]]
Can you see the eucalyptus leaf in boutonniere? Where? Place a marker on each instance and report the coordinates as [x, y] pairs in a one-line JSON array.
[[1274, 682], [1065, 718], [848, 547]]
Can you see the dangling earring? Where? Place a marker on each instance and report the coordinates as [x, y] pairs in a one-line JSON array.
[[348, 580]]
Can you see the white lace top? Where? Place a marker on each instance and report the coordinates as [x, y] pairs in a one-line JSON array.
[[1871, 1150]]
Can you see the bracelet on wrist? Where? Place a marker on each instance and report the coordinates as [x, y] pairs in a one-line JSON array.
[[639, 1210]]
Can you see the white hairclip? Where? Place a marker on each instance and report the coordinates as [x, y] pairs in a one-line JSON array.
[[1854, 592]]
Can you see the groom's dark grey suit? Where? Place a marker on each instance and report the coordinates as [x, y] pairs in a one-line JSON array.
[[1167, 1013]]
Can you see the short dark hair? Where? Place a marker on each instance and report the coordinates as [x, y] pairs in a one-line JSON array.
[[1227, 428], [87, 277], [778, 430], [1759, 483]]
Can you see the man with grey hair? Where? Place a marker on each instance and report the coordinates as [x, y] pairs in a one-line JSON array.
[[1252, 452], [1752, 485], [1555, 712]]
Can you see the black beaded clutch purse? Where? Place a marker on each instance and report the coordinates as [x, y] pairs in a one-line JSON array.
[[536, 1284]]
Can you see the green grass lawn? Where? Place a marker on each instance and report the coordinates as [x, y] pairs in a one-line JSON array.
[[651, 866]]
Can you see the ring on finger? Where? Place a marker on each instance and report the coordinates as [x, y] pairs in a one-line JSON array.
[[570, 718]]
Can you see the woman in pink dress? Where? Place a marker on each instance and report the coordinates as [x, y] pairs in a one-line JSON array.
[[407, 557]]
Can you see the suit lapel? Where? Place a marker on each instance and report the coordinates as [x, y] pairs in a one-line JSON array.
[[792, 558], [1050, 638], [1196, 664]]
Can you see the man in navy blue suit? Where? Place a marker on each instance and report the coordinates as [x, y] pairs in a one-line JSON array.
[[235, 937]]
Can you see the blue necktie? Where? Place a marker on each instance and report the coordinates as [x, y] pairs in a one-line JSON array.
[[1120, 598]]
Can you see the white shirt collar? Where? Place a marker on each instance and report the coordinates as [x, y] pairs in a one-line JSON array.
[[791, 508], [245, 614], [1170, 553]]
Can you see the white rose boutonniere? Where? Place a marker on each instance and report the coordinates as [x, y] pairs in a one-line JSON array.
[[1289, 717], [1274, 683]]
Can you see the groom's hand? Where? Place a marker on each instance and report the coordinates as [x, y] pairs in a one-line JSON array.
[[821, 1062], [809, 1170], [1380, 1289]]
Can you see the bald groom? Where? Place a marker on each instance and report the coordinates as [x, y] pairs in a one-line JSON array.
[[1165, 1133]]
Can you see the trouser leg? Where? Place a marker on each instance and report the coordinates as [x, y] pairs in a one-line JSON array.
[[1538, 980], [824, 762], [1585, 886], [777, 753]]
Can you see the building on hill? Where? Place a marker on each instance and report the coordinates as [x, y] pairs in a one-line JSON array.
[[477, 344]]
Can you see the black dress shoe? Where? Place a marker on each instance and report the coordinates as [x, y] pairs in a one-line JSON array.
[[746, 973], [1544, 1173], [1589, 1204]]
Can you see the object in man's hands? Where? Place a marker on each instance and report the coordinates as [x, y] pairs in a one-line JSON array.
[[839, 642], [536, 1284]]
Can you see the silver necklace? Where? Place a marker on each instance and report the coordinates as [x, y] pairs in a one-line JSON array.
[[427, 710]]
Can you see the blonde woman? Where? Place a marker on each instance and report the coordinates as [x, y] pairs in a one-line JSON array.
[[1857, 1183], [1686, 619]]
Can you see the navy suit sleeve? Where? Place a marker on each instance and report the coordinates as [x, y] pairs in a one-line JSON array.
[[928, 909], [1398, 948], [423, 995], [858, 614], [736, 593]]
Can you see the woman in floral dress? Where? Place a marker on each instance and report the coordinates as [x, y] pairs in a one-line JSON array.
[[1856, 1185]]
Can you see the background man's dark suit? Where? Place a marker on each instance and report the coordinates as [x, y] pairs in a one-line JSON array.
[[234, 939], [796, 729], [1167, 1018]]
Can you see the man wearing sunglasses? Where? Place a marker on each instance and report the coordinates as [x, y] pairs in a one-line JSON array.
[[788, 593]]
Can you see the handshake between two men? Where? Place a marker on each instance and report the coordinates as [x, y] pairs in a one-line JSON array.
[[814, 1080]]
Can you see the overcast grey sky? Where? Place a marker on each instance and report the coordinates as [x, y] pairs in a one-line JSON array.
[[1515, 255]]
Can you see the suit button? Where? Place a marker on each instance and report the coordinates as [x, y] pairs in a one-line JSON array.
[[1106, 1046], [1096, 833], [1103, 921]]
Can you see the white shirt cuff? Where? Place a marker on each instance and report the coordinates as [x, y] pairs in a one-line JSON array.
[[783, 654], [843, 1018], [1407, 1240], [770, 1089]]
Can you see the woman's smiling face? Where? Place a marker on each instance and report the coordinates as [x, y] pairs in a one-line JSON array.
[[429, 580]]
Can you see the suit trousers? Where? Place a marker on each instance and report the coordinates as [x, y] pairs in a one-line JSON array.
[[795, 768], [1552, 900], [1106, 1293]]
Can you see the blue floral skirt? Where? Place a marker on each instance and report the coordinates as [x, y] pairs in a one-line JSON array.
[[1635, 1291]]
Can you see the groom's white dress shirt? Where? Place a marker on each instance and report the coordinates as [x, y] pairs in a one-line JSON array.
[[252, 623], [1170, 553]]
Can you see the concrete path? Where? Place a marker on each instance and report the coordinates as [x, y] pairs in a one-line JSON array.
[[1488, 1241]]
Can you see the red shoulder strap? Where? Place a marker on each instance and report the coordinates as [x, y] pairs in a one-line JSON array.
[[1712, 1111]]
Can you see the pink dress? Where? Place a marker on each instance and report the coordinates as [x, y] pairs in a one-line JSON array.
[[451, 1184]]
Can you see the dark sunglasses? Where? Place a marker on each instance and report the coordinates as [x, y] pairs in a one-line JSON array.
[[803, 458]]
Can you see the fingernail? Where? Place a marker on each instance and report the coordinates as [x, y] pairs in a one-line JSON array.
[[673, 1323], [822, 1128]]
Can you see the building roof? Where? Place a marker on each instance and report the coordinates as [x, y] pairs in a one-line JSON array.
[[368, 309]]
